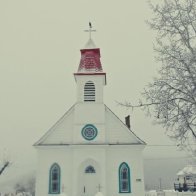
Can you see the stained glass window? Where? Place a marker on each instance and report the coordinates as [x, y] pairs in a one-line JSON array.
[[124, 178], [89, 132], [89, 169], [54, 179]]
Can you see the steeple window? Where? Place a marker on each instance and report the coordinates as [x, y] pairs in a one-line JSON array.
[[89, 91]]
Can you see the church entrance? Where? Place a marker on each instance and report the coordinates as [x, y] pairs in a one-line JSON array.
[[89, 179]]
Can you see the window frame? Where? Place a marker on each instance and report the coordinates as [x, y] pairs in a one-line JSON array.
[[92, 169], [95, 132], [52, 181], [121, 180]]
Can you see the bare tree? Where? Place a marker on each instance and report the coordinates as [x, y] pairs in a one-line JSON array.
[[5, 165], [4, 161], [26, 185], [171, 97]]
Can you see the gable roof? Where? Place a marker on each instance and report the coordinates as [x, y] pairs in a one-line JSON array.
[[116, 132], [57, 130], [120, 133]]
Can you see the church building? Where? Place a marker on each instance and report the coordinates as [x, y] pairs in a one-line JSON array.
[[89, 151]]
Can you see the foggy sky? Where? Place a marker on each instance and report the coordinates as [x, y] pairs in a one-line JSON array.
[[39, 52]]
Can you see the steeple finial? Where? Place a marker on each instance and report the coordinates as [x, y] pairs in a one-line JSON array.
[[90, 30]]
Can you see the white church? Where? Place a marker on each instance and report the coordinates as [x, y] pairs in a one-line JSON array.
[[90, 151]]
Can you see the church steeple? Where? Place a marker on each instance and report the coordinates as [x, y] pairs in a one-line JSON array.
[[90, 77], [90, 59], [90, 56]]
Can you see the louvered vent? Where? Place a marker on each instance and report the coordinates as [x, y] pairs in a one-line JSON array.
[[89, 91]]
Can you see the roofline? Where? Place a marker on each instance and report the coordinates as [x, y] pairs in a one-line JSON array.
[[48, 132], [91, 74], [90, 49], [92, 144], [142, 142], [38, 143]]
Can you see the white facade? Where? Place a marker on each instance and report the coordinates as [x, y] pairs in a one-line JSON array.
[[90, 134]]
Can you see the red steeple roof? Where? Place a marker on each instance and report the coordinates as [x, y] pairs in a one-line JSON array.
[[90, 59], [90, 63]]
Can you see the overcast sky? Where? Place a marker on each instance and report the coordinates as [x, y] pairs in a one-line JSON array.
[[40, 42]]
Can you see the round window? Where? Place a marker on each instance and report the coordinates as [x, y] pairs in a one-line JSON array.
[[89, 132]]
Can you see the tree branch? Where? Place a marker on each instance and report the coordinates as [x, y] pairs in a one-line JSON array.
[[6, 164]]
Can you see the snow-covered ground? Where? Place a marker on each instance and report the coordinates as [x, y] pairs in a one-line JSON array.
[[169, 193], [16, 194]]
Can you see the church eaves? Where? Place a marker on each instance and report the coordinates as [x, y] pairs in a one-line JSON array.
[[121, 135]]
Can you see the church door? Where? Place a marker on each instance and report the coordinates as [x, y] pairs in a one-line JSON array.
[[89, 182]]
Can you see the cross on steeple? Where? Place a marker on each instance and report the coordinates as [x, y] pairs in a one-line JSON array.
[[99, 187], [90, 30]]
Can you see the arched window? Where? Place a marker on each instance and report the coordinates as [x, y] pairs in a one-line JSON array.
[[124, 178], [54, 179], [89, 169], [89, 91]]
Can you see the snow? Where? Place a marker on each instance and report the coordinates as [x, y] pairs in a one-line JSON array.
[[99, 194], [169, 193], [63, 194], [90, 44], [188, 170], [151, 193]]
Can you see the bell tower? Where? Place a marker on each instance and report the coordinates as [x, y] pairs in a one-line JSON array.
[[89, 109], [90, 78]]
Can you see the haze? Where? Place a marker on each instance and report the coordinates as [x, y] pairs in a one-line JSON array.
[[39, 52]]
